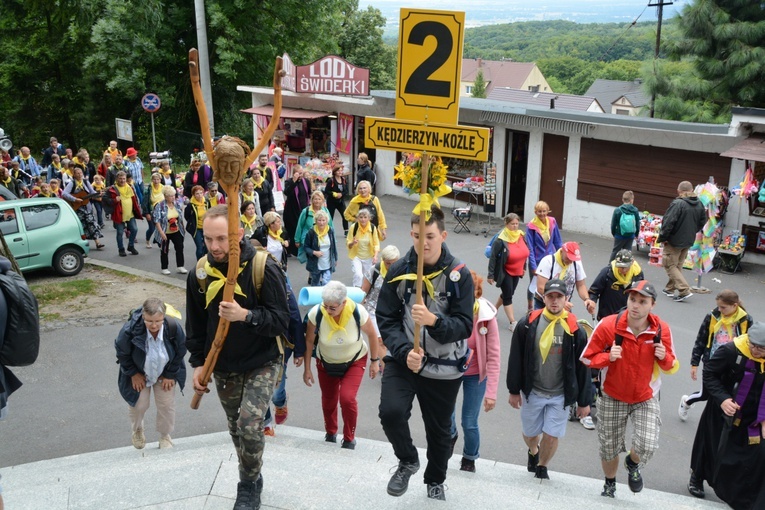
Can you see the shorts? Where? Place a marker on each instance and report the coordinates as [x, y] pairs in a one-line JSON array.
[[612, 427], [509, 284], [543, 414]]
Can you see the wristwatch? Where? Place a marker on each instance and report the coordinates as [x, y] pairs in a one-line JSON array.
[[248, 319]]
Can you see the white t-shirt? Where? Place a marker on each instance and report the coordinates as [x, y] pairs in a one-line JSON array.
[[340, 346], [547, 266]]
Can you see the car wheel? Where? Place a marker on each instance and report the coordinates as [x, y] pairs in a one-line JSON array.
[[68, 261]]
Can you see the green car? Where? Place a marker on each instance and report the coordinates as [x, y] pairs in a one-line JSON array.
[[42, 233]]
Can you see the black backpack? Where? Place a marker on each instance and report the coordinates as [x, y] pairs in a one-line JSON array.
[[22, 331], [372, 208]]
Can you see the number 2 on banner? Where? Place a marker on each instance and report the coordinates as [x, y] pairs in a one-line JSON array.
[[429, 65]]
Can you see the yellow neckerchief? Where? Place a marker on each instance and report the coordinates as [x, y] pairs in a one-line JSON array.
[[510, 236], [214, 286], [564, 267], [545, 341], [383, 269], [46, 195], [54, 189], [362, 230], [156, 194], [476, 306], [742, 343], [544, 228], [125, 191], [345, 316], [321, 233], [78, 185], [249, 223], [275, 235], [426, 279], [729, 322], [7, 181], [625, 280], [245, 196], [358, 199], [213, 199], [25, 160], [67, 171], [98, 186], [57, 166], [77, 161], [259, 183]]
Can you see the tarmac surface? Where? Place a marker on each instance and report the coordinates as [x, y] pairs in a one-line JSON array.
[[70, 405]]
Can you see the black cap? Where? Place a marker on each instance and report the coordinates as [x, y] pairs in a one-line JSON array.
[[558, 286], [644, 288]]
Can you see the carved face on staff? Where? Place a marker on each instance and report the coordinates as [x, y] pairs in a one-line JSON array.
[[229, 161]]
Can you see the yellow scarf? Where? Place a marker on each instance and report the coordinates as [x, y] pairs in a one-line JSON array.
[[67, 171], [99, 186], [57, 166], [249, 223], [362, 230], [125, 191], [564, 267], [213, 198], [510, 236], [625, 280], [383, 269], [214, 286], [47, 195], [345, 316], [544, 228], [245, 196], [545, 341], [276, 235], [358, 199], [426, 279], [156, 194], [259, 183], [78, 185], [54, 189], [321, 233], [742, 343], [7, 181], [476, 307], [728, 322], [200, 207]]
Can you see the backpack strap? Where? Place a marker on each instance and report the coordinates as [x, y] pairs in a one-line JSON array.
[[259, 269], [617, 337]]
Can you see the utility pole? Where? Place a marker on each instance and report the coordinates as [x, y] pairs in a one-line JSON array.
[[659, 14], [204, 60]]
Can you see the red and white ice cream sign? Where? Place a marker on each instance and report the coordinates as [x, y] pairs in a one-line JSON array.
[[332, 75]]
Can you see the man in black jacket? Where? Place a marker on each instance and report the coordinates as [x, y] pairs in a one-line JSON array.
[[608, 288], [684, 218], [249, 363], [544, 365]]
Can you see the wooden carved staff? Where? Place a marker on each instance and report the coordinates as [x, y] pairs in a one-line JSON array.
[[229, 161]]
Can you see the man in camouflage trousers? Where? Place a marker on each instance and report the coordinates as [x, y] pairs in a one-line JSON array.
[[248, 366]]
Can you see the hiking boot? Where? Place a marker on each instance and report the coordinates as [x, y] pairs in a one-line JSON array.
[[133, 251], [531, 465], [248, 494], [683, 408], [165, 442], [436, 491], [281, 414], [696, 487], [609, 490], [330, 438], [467, 465], [399, 482], [634, 478], [348, 445], [541, 473], [454, 442], [587, 423], [683, 297], [139, 440], [122, 253]]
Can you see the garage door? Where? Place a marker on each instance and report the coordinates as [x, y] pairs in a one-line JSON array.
[[608, 169]]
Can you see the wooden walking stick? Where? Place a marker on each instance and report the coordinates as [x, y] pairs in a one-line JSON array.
[[229, 160], [421, 243]]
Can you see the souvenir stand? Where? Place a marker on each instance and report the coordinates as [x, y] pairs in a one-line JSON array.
[[731, 250], [650, 226], [702, 253], [489, 195]]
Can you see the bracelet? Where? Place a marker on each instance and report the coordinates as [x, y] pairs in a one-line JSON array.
[[374, 359]]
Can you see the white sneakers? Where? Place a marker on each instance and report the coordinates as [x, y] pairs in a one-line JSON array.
[[165, 271], [139, 440], [683, 408], [183, 270], [165, 442], [587, 423], [148, 245]]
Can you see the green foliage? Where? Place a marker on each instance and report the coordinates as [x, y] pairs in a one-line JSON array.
[[479, 85], [361, 44]]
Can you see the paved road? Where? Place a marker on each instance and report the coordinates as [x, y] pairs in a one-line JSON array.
[[70, 403]]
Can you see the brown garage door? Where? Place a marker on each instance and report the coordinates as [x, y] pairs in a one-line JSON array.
[[608, 169]]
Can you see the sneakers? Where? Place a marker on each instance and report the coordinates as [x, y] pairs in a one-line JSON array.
[[587, 423], [668, 293], [122, 253], [399, 482], [248, 494], [634, 478], [281, 414], [165, 271], [139, 440], [133, 251], [683, 297], [531, 465], [454, 442], [348, 445], [696, 487], [330, 438], [148, 245], [269, 431], [467, 465], [541, 473], [683, 408], [436, 491], [165, 442], [182, 270], [609, 490]]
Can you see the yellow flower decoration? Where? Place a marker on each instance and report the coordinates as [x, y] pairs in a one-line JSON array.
[[409, 172]]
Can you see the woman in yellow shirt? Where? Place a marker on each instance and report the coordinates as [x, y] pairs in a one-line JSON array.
[[363, 246], [365, 200], [194, 215], [151, 198]]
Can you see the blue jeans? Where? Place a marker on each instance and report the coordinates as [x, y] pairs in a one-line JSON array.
[[320, 278], [99, 212], [280, 394], [472, 402], [150, 230], [199, 242], [120, 228]]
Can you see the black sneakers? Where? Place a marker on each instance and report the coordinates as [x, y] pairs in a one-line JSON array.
[[467, 465], [248, 494], [541, 473], [399, 482], [531, 465], [609, 490], [348, 445], [330, 438], [696, 487], [436, 491], [634, 478], [133, 251]]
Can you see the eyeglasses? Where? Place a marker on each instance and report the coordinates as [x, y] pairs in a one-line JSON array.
[[753, 347], [333, 309]]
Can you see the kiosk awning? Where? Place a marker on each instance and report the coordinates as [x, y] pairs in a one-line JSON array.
[[752, 148], [287, 113]]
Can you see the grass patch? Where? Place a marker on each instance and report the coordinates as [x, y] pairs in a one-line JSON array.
[[121, 274], [48, 293], [50, 317]]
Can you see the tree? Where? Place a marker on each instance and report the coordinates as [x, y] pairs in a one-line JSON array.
[[724, 42], [361, 43], [479, 85]]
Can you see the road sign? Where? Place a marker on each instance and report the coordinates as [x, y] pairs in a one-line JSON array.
[[124, 129], [429, 65], [466, 142], [151, 103]]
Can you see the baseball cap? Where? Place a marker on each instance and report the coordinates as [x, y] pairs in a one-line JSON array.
[[757, 334], [572, 251], [624, 258], [558, 286], [642, 287]]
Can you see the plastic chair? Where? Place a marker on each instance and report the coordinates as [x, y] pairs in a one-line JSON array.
[[462, 215]]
